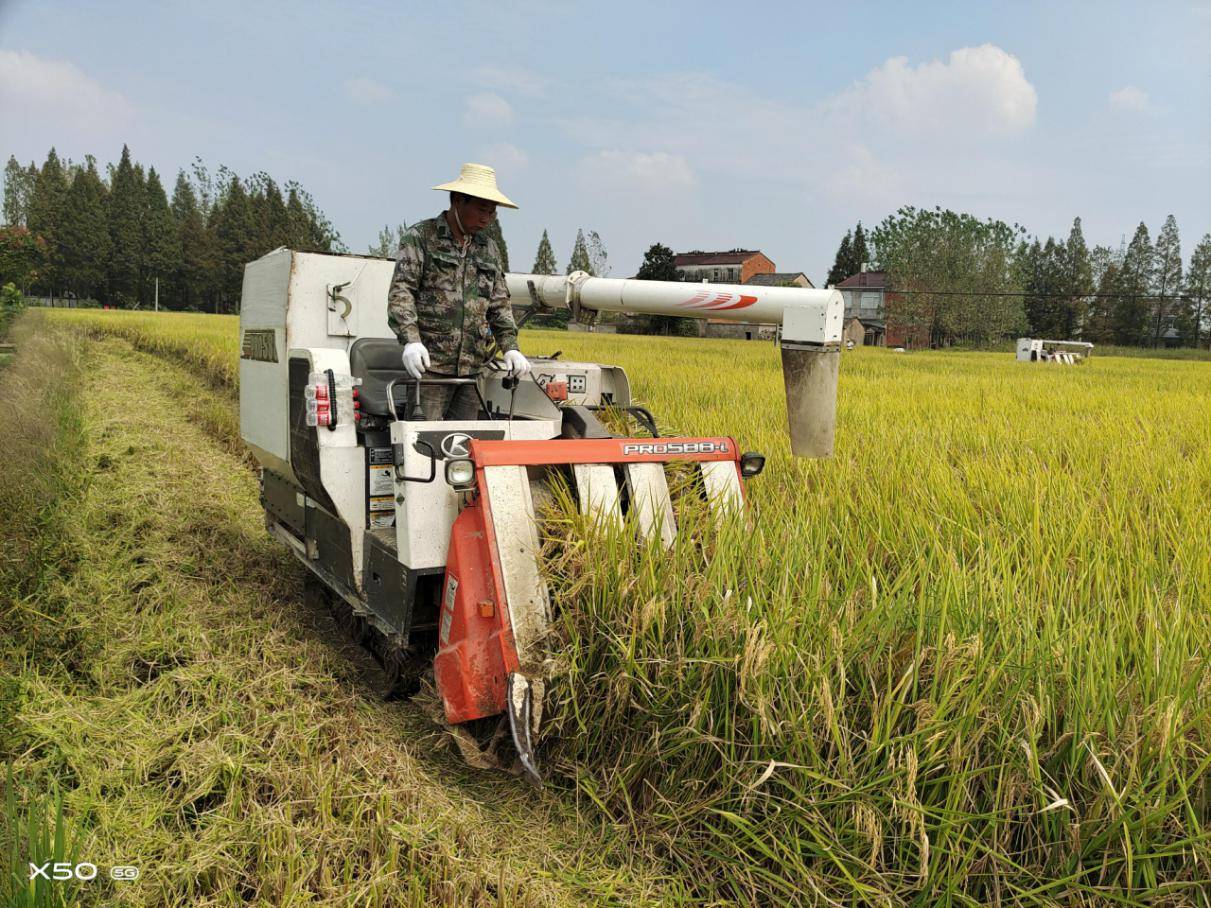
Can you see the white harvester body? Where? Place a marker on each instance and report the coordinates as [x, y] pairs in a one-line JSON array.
[[426, 533], [1065, 353]]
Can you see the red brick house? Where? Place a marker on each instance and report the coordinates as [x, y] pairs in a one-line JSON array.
[[736, 266]]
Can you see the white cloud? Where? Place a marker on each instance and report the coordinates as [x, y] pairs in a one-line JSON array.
[[860, 176], [34, 88], [503, 156], [510, 78], [487, 109], [367, 91], [982, 89], [1130, 98], [888, 139], [654, 172]]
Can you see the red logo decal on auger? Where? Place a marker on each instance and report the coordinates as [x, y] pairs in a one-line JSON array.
[[703, 300]]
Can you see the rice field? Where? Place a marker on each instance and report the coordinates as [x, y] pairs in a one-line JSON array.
[[964, 661]]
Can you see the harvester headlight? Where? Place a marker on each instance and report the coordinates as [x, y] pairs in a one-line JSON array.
[[751, 464], [460, 473]]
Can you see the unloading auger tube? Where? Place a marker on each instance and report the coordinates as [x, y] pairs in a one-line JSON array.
[[811, 322]]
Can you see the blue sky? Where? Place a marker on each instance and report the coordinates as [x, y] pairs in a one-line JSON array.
[[696, 125]]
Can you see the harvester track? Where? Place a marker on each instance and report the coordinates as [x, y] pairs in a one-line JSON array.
[[408, 675], [406, 668]]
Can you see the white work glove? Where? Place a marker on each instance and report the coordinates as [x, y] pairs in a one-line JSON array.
[[518, 364], [416, 359]]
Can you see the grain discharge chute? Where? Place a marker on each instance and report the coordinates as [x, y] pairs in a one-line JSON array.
[[424, 535]]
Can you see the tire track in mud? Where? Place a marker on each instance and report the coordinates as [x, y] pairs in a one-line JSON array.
[[229, 741]]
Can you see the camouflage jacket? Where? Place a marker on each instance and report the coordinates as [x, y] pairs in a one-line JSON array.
[[451, 299]]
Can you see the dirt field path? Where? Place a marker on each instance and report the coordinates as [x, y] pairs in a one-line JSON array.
[[222, 738]]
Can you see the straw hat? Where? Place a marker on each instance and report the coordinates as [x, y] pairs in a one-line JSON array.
[[480, 181]]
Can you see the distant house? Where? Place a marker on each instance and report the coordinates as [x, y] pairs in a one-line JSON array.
[[780, 279], [735, 266], [864, 300], [866, 295]]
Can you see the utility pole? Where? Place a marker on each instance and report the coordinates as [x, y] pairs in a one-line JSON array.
[[157, 294]]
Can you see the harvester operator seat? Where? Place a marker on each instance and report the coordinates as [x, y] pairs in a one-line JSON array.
[[378, 361]]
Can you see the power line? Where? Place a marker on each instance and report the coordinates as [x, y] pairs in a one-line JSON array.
[[1022, 293]]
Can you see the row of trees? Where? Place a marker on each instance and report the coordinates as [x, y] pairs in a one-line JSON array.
[[588, 255], [1139, 294], [852, 254], [71, 231], [954, 276], [937, 260]]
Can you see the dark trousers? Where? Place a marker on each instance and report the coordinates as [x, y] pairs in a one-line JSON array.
[[449, 402]]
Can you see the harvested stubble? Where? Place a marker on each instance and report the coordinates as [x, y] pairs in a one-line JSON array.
[[208, 731], [964, 660]]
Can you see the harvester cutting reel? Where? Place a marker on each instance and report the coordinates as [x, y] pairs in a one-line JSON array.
[[496, 611]]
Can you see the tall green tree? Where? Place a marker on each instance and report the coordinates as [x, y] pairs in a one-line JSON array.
[[18, 189], [1076, 281], [389, 241], [1037, 266], [161, 239], [1105, 265], [1166, 277], [852, 254], [14, 209], [298, 229], [495, 232], [1135, 280], [126, 198], [598, 259], [235, 232], [1198, 292], [659, 264], [859, 253], [544, 258], [45, 217], [544, 263], [22, 255], [579, 260], [194, 280], [308, 227], [269, 213], [84, 240], [1056, 282], [1124, 318], [845, 253], [956, 275]]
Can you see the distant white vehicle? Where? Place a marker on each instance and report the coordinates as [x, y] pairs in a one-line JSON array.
[[1068, 353]]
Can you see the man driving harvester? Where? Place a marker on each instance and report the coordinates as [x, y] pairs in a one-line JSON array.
[[448, 301]]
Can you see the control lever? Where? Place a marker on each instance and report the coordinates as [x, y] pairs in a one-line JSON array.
[[510, 383]]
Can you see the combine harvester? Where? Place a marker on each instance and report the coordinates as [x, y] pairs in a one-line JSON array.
[[1067, 353], [423, 535]]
